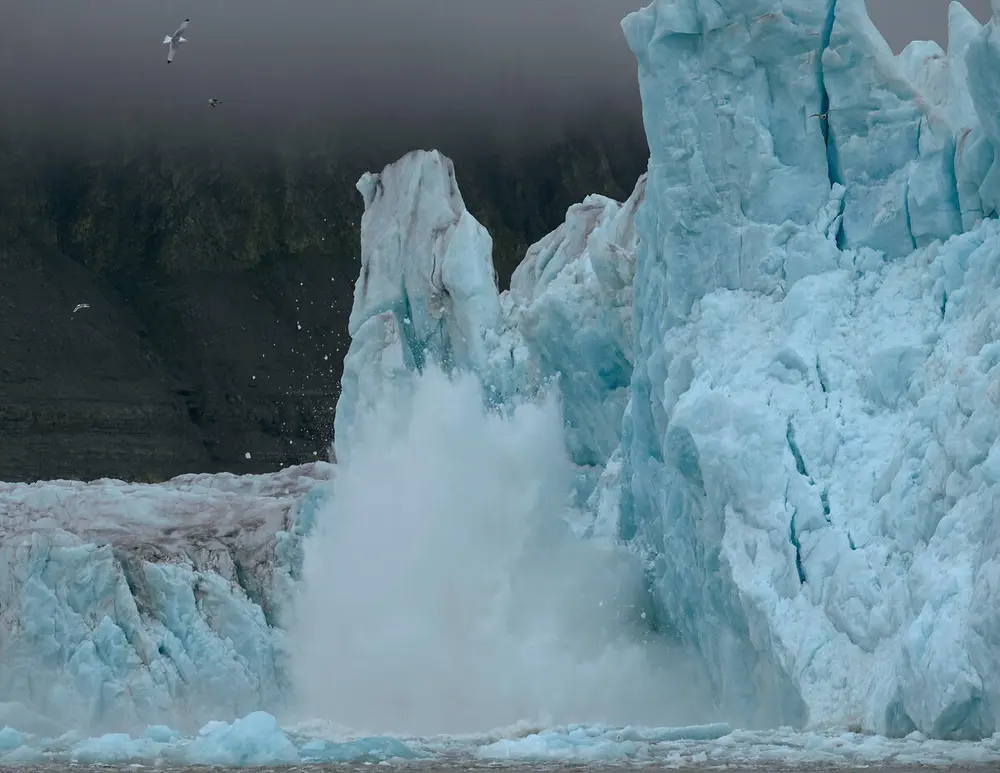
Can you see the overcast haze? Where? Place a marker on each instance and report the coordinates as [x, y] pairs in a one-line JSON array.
[[425, 69]]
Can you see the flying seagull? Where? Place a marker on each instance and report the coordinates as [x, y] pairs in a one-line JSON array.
[[81, 306], [175, 40]]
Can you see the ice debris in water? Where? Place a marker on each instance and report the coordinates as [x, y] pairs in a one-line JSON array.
[[253, 740], [259, 740]]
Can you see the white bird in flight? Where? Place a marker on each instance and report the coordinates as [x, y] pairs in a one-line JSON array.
[[80, 306], [175, 40]]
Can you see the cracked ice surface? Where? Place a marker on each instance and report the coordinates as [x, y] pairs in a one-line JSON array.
[[809, 450], [124, 604]]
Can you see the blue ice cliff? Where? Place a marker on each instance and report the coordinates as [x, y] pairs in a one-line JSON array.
[[428, 289], [776, 360], [124, 605], [810, 445], [779, 372]]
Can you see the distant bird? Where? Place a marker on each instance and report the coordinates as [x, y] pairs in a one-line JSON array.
[[81, 306], [175, 40], [215, 101], [821, 116]]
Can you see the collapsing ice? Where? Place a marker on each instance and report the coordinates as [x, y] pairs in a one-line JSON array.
[[792, 323]]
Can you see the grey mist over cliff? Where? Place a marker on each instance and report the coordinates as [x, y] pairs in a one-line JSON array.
[[418, 72]]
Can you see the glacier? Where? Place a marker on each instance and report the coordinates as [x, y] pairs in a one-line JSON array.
[[774, 360], [132, 604], [814, 491], [775, 372]]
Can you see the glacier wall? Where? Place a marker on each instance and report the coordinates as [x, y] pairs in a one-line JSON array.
[[470, 424], [427, 286], [570, 302], [427, 292], [807, 450], [774, 361], [123, 605]]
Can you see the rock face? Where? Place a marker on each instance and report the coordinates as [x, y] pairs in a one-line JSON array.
[[219, 293], [192, 374]]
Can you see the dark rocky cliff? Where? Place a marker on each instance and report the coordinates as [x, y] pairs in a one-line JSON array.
[[218, 288]]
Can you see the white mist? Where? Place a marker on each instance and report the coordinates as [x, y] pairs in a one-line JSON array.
[[443, 594]]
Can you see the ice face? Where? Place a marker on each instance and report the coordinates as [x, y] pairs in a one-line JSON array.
[[814, 470], [738, 172], [427, 293], [982, 137], [125, 604], [571, 305], [427, 286], [774, 360], [814, 490], [890, 145]]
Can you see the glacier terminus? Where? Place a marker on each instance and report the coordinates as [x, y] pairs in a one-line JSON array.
[[745, 426]]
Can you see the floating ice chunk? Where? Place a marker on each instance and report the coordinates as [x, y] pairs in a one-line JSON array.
[[372, 749], [573, 746], [718, 745], [253, 740], [113, 749], [23, 755], [10, 739], [161, 734]]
